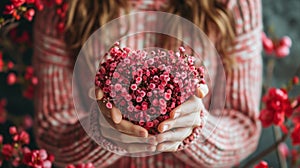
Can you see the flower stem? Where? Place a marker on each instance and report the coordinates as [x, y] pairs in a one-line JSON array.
[[270, 69], [265, 152], [282, 160]]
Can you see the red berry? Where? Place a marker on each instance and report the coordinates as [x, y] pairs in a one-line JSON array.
[[13, 130], [10, 65], [11, 79], [29, 14], [9, 9], [58, 2], [262, 164], [1, 139], [61, 27], [282, 51], [285, 41], [295, 80], [34, 80], [268, 45], [24, 137]]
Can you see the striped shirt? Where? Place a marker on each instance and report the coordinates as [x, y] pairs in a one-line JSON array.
[[235, 137]]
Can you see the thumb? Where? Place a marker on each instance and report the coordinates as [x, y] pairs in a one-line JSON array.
[[202, 90]]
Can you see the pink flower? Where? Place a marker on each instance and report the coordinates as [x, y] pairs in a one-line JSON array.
[[24, 137], [9, 9], [29, 14], [133, 87], [37, 159], [109, 105], [18, 3], [7, 151], [13, 130]]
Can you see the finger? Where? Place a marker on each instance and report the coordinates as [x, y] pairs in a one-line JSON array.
[[202, 91], [116, 136], [190, 120], [99, 93], [190, 106], [116, 115], [128, 127], [178, 134], [137, 147], [104, 110], [168, 146]]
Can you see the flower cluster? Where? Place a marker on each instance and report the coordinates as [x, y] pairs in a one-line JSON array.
[[146, 86], [27, 8], [37, 158], [278, 106], [18, 154], [28, 79], [280, 47]]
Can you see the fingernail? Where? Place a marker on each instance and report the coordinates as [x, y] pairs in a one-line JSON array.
[[176, 115], [165, 127]]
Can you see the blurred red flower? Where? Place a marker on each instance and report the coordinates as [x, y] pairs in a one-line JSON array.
[[277, 107], [296, 135], [261, 164]]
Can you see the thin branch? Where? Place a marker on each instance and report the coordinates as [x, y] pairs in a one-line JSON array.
[[265, 152]]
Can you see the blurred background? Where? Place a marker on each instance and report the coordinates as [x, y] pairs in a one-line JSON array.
[[280, 16]]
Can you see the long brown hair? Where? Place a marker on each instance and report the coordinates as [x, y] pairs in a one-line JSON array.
[[85, 16]]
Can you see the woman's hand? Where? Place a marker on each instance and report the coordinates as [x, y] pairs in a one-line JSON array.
[[131, 144], [182, 121], [128, 136], [114, 118]]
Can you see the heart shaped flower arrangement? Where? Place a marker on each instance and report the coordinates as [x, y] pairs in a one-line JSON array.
[[146, 85]]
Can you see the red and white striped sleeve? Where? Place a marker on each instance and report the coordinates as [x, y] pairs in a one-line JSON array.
[[237, 134], [57, 126]]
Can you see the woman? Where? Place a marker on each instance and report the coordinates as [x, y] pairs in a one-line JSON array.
[[233, 25]]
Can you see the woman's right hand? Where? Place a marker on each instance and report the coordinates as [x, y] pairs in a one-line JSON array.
[[125, 134]]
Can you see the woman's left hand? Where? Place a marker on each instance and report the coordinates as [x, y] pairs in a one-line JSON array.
[[183, 119]]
